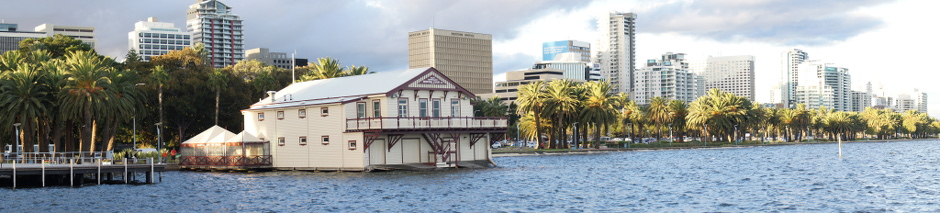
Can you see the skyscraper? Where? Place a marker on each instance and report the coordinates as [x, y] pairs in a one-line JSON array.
[[151, 38], [465, 57], [552, 50], [734, 74], [824, 83], [790, 63], [615, 50], [214, 25]]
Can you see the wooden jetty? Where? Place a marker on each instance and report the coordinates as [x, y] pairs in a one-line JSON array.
[[74, 174]]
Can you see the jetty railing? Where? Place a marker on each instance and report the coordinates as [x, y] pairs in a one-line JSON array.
[[421, 123]]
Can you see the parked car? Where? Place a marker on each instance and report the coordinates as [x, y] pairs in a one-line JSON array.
[[146, 150], [496, 145]]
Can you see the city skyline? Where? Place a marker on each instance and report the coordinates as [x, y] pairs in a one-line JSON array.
[[878, 41]]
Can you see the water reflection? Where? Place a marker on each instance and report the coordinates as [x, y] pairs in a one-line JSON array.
[[871, 177]]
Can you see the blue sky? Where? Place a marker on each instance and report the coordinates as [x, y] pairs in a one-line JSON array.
[[886, 42]]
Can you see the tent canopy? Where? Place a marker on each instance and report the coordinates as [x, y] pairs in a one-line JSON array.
[[214, 134]]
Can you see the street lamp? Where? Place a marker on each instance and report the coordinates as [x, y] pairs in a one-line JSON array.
[[575, 138], [629, 134], [135, 119], [159, 139], [16, 126], [670, 135], [735, 134]]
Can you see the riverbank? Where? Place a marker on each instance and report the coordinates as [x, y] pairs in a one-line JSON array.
[[516, 152]]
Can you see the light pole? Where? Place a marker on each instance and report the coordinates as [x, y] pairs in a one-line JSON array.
[[18, 148], [575, 138], [159, 140], [517, 135], [135, 120], [670, 135], [706, 136], [735, 134], [629, 134]]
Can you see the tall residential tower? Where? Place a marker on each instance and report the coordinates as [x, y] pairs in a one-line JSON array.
[[465, 57], [615, 50], [734, 74], [214, 25], [790, 64]]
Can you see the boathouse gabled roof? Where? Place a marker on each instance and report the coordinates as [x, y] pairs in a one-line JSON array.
[[214, 134], [243, 137], [358, 87]]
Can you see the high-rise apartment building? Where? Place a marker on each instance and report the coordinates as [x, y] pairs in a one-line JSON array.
[[789, 63], [10, 38], [615, 50], [465, 57], [151, 38], [861, 99], [85, 34], [668, 77], [820, 77], [552, 51], [214, 25], [733, 74], [277, 59]]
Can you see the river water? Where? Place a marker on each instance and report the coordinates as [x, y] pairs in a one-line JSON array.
[[871, 177]]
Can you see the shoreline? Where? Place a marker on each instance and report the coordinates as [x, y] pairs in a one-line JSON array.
[[537, 152]]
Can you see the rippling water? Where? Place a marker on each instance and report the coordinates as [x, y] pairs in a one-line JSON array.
[[871, 177]]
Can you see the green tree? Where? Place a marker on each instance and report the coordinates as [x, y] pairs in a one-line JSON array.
[[218, 80], [57, 46], [599, 108], [324, 68], [84, 95], [531, 98]]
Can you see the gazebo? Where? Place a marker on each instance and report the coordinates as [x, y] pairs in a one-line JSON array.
[[217, 148]]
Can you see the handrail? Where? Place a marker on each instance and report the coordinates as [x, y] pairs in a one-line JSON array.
[[377, 123]]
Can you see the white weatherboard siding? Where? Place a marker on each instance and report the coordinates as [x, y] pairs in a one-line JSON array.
[[394, 155], [411, 152], [377, 152]]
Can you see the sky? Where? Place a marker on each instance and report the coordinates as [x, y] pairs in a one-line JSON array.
[[886, 42]]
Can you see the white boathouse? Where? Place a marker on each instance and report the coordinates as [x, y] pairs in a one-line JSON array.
[[416, 118]]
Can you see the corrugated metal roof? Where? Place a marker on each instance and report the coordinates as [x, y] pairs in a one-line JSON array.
[[337, 89]]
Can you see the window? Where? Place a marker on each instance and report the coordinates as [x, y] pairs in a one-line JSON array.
[[324, 111], [260, 116], [280, 115], [402, 107], [376, 109], [303, 140], [281, 141], [436, 108], [454, 108], [352, 144], [302, 113], [325, 139], [422, 107], [361, 110]]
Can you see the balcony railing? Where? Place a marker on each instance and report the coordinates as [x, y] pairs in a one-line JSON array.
[[425, 123]]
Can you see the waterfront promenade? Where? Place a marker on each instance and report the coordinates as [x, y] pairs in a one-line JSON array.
[[13, 174]]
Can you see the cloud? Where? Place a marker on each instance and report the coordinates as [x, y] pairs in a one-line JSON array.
[[780, 22]]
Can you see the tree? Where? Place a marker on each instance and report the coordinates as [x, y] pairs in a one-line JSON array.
[[23, 99], [677, 112], [658, 112], [531, 99], [218, 80], [324, 68], [357, 70], [561, 105], [599, 108], [57, 46], [84, 93]]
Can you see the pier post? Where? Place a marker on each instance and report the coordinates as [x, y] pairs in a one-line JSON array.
[[125, 171], [150, 176], [71, 173], [14, 174], [43, 173], [99, 172]]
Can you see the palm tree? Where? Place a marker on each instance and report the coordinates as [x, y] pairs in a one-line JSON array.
[[677, 111], [123, 99], [324, 68], [562, 105], [218, 80], [531, 98], [23, 99], [599, 107], [658, 112], [357, 70], [160, 77], [84, 93]]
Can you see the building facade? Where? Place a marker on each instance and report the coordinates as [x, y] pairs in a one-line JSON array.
[[277, 59], [575, 70], [668, 77], [733, 74], [820, 77], [790, 63], [10, 37], [412, 117], [615, 51], [152, 38], [85, 34], [508, 90], [465, 57], [213, 24], [551, 50]]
